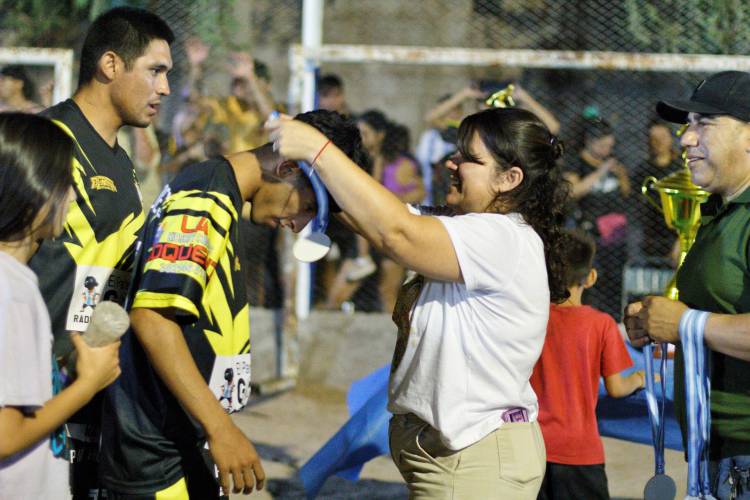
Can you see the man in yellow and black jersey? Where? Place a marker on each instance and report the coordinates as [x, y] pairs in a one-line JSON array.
[[186, 360], [124, 62]]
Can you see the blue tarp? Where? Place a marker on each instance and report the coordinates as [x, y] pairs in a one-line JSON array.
[[365, 435]]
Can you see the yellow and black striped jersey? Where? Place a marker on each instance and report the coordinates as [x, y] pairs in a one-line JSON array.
[[93, 258], [188, 263]]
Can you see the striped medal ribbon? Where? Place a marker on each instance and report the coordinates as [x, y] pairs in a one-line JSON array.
[[697, 402], [660, 486]]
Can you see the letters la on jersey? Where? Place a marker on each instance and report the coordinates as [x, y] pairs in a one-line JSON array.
[[189, 263]]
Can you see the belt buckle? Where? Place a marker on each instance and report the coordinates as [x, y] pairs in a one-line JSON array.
[[515, 415]]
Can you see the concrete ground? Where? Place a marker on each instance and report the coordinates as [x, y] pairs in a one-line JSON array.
[[335, 349]]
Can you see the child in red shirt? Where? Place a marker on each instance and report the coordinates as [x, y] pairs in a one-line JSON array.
[[581, 345]]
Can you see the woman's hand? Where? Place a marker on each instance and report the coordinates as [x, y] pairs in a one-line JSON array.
[[295, 140]]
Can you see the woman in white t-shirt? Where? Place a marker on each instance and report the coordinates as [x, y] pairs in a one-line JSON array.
[[464, 424], [36, 182]]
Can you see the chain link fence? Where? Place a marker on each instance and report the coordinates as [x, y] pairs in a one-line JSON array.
[[634, 248], [634, 245]]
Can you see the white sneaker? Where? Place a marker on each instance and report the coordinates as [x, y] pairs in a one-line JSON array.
[[362, 268]]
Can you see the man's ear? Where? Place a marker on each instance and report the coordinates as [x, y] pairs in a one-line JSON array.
[[110, 65], [288, 169]]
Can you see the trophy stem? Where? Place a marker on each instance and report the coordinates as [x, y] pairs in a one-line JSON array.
[[686, 241]]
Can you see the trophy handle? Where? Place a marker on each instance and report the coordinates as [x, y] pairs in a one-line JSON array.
[[647, 182]]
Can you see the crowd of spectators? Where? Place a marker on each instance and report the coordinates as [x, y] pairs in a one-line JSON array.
[[606, 202]]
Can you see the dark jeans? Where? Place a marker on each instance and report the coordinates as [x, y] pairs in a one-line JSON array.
[[730, 478], [574, 482]]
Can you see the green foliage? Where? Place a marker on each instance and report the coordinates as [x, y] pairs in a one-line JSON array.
[[690, 26], [44, 23], [216, 25], [63, 23]]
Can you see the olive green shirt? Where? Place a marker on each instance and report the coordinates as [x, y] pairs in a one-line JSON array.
[[715, 277]]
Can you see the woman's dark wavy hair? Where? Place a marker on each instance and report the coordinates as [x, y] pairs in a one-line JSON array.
[[516, 137], [396, 137], [35, 168]]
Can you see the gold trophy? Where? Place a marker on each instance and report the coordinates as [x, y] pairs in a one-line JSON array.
[[680, 205], [502, 98]]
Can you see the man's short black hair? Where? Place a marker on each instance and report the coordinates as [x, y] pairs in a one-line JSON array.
[[328, 83], [578, 253], [342, 132], [126, 31]]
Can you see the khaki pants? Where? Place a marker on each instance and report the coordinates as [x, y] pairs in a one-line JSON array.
[[508, 464]]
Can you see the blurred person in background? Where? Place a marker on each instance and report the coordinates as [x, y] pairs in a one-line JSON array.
[[17, 91], [186, 143], [343, 262], [600, 185], [387, 143], [439, 140], [142, 146], [331, 95], [211, 126], [654, 237]]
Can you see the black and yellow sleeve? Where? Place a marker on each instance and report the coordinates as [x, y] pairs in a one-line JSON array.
[[184, 247]]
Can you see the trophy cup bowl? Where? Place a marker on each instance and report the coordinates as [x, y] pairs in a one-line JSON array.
[[680, 201], [503, 98]]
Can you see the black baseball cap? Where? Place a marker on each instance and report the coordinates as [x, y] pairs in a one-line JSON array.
[[724, 93]]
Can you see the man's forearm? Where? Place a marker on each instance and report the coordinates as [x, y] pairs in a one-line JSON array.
[[168, 352], [729, 334]]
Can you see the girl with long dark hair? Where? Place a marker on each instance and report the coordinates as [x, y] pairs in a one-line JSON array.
[[36, 182]]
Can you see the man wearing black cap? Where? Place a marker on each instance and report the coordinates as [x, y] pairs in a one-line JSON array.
[[715, 276]]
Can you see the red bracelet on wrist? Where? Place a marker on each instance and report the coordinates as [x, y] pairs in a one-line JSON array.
[[312, 164]]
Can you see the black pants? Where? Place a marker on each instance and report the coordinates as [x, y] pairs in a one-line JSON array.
[[574, 482], [199, 474]]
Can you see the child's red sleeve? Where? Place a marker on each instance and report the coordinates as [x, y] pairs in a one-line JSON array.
[[615, 357]]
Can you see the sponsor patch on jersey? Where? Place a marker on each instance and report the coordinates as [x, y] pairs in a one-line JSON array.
[[92, 285], [230, 381], [99, 182]]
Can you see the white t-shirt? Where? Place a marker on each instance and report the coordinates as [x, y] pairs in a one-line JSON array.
[[473, 345], [26, 382]]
